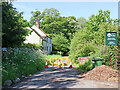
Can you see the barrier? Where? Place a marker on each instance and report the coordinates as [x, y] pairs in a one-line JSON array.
[[63, 60], [83, 59]]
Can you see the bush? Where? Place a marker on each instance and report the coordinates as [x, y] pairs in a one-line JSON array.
[[21, 61], [85, 66], [60, 44], [57, 52], [29, 45], [54, 52]]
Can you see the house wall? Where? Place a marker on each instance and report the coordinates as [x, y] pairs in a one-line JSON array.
[[33, 38], [47, 45]]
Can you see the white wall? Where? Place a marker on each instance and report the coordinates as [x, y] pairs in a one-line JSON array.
[[33, 38]]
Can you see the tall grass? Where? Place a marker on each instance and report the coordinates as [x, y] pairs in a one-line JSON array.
[[21, 61]]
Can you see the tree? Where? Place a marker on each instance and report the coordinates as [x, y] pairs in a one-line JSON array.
[[90, 40], [72, 26], [35, 15], [82, 22], [96, 20], [55, 25], [46, 13], [13, 26], [81, 45], [60, 43]]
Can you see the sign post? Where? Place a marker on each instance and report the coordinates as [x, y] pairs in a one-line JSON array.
[[111, 39]]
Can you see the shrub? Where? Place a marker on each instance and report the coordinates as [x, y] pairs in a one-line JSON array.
[[54, 52], [85, 66], [29, 45], [21, 61]]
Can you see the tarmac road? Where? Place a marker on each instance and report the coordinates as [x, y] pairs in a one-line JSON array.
[[61, 78]]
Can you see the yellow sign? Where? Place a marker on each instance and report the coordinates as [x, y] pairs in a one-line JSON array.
[[63, 60]]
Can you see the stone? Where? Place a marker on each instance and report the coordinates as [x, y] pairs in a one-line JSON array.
[[7, 83], [22, 76], [16, 80]]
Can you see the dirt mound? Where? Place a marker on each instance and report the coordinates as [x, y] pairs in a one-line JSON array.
[[104, 73]]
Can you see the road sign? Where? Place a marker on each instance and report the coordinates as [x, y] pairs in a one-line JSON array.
[[111, 38], [83, 59]]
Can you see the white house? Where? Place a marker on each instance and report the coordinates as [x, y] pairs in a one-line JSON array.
[[38, 36]]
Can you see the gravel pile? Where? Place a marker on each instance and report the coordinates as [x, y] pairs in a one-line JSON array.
[[103, 73]]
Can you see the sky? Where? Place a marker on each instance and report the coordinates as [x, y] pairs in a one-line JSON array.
[[77, 9]]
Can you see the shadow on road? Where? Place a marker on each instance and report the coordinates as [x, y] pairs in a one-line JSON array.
[[50, 78]]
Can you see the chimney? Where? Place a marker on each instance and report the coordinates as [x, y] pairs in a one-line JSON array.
[[37, 23]]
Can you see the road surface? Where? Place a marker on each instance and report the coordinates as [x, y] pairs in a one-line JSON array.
[[61, 78]]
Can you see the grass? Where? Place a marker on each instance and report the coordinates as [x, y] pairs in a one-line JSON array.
[[21, 61]]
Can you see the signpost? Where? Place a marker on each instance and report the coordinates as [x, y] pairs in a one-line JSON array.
[[111, 39]]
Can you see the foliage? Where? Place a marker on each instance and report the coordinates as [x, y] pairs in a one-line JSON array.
[[87, 66], [118, 35], [96, 20], [13, 26], [34, 46], [60, 43], [54, 55], [90, 40], [35, 15], [55, 25], [80, 45], [81, 22], [21, 61]]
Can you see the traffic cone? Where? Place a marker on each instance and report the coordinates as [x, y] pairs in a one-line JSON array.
[[70, 64], [46, 64], [59, 66]]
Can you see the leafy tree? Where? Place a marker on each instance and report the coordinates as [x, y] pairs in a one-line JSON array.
[[82, 22], [90, 40], [55, 25], [96, 20], [72, 26], [60, 43], [46, 13], [13, 26], [35, 15], [52, 23], [80, 45]]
